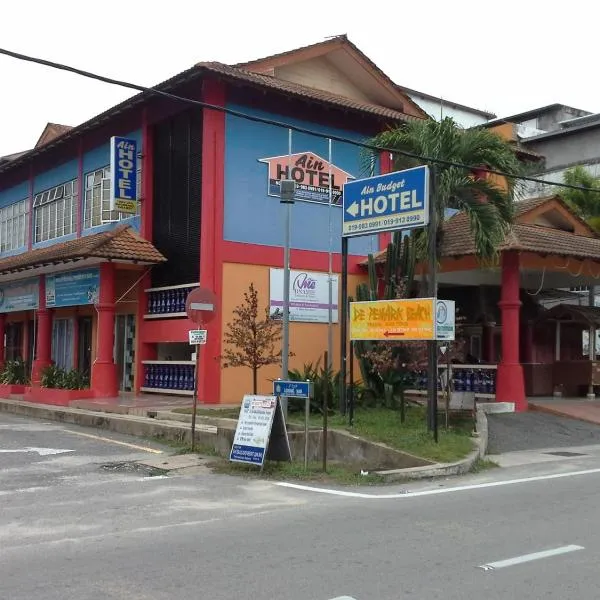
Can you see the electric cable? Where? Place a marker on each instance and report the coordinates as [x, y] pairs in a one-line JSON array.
[[275, 123]]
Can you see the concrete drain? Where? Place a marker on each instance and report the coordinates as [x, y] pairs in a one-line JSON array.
[[565, 454], [134, 468]]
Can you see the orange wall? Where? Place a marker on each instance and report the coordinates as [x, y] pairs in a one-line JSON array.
[[308, 341]]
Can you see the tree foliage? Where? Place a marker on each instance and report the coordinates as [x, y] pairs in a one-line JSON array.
[[252, 339], [488, 205], [585, 203]]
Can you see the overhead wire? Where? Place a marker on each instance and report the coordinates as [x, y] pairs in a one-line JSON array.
[[293, 127]]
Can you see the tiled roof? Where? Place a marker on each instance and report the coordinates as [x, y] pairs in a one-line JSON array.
[[51, 132], [458, 240], [122, 243], [339, 41], [303, 91]]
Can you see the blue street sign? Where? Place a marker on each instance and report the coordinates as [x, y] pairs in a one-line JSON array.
[[388, 202], [292, 389]]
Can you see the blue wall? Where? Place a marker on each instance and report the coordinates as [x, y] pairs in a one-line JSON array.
[[57, 175], [100, 155], [14, 194], [251, 216]]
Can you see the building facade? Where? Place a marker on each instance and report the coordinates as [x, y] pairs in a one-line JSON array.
[[92, 289]]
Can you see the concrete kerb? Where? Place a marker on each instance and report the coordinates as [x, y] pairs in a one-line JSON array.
[[460, 467], [207, 435]]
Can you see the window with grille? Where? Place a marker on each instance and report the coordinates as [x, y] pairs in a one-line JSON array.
[[97, 198], [54, 211], [13, 226]]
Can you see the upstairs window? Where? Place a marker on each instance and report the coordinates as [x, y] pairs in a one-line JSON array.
[[54, 211], [97, 198], [13, 226]]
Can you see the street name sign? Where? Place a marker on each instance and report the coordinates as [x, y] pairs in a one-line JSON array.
[[292, 389], [394, 201]]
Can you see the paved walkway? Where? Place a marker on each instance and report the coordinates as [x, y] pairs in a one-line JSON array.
[[584, 410], [536, 430]]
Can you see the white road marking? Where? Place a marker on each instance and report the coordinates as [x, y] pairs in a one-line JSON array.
[[458, 488], [517, 560], [343, 598], [40, 451], [110, 441]]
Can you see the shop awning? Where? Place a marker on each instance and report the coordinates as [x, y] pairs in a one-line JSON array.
[[121, 244]]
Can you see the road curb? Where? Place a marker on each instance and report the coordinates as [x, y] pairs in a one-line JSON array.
[[460, 467], [126, 424]]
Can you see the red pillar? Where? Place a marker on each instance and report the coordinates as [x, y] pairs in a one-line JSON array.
[[104, 370], [211, 235], [2, 347], [510, 386], [43, 347]]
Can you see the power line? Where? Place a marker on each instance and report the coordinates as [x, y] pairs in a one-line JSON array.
[[275, 123]]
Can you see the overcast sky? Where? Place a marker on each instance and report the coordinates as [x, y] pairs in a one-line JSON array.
[[504, 57]]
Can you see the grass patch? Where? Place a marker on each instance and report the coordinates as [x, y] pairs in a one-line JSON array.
[[483, 464], [295, 471], [217, 413], [383, 425]]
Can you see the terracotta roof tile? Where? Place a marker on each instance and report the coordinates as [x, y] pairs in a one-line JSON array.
[[303, 91], [51, 132], [122, 243]]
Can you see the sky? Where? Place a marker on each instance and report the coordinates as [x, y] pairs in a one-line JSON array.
[[504, 57]]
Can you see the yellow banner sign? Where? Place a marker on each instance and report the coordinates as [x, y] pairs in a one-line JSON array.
[[393, 320], [126, 206]]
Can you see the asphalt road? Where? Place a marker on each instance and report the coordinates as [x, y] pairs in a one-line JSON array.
[[72, 530], [535, 430]]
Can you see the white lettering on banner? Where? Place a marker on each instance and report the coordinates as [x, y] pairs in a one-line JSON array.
[[404, 201]]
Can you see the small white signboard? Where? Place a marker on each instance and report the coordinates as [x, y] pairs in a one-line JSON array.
[[445, 320], [254, 431], [197, 337]]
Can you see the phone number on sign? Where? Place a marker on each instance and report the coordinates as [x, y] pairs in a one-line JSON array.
[[389, 222]]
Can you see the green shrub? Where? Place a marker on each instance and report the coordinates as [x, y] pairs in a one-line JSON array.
[[57, 378], [15, 372]]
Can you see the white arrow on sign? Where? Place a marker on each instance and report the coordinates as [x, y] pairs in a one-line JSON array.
[[353, 209], [40, 451]]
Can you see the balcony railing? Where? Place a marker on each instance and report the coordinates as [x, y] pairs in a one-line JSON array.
[[167, 302]]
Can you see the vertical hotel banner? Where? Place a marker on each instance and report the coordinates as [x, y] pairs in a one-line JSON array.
[[19, 295], [309, 296], [123, 175], [74, 288]]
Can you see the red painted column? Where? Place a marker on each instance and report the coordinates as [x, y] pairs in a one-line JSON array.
[[143, 351], [510, 386], [211, 235], [104, 370], [2, 347], [43, 347]]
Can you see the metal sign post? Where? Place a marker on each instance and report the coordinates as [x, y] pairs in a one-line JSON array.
[[200, 309], [297, 389]]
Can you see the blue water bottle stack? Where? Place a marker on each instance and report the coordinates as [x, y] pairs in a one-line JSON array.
[[167, 301], [478, 381], [169, 377]]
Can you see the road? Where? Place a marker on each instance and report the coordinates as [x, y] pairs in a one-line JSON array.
[[70, 529]]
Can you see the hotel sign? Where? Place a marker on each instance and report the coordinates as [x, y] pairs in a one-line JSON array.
[[314, 176], [123, 175]]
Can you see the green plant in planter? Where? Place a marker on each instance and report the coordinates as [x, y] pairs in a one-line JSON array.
[[15, 372], [55, 377]]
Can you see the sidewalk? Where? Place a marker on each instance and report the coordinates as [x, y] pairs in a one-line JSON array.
[[582, 410]]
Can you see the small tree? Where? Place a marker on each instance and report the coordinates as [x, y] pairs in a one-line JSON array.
[[251, 339]]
